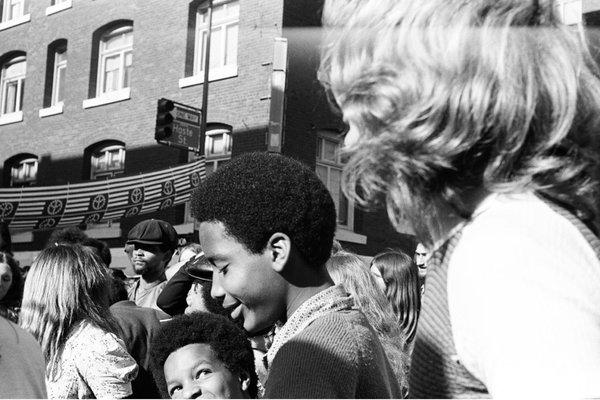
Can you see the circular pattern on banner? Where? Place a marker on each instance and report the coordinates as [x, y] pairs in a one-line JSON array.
[[136, 195], [99, 202], [54, 207], [6, 209]]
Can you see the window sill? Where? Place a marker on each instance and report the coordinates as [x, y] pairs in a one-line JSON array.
[[15, 21], [346, 235], [59, 7], [52, 110], [107, 98], [11, 118], [213, 75]]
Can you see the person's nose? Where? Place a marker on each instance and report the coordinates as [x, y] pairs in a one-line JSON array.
[[216, 290], [192, 391]]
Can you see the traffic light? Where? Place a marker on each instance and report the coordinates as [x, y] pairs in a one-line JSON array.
[[164, 119]]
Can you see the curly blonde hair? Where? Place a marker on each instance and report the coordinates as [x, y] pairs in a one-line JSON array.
[[452, 97]]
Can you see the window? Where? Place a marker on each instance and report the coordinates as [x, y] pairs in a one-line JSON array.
[[107, 161], [13, 9], [12, 85], [21, 170], [58, 81], [329, 169], [217, 146], [115, 60]]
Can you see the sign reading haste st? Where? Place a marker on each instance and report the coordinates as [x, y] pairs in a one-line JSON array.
[[181, 125]]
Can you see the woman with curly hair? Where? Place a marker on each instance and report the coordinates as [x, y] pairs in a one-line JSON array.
[[352, 273], [11, 287], [65, 307], [477, 121], [398, 277]]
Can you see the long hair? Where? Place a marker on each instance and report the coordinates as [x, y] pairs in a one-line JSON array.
[[402, 289], [452, 98], [349, 270], [67, 284], [13, 297]]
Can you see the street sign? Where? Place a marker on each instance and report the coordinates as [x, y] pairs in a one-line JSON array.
[[185, 129]]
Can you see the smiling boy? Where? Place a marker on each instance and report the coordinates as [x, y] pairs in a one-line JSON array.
[[266, 226]]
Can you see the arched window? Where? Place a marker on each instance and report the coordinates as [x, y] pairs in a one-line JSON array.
[[56, 69], [115, 59], [223, 41], [217, 145], [21, 170], [12, 83], [106, 159]]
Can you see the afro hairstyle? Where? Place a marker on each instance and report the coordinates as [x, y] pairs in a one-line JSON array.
[[228, 342], [258, 194]]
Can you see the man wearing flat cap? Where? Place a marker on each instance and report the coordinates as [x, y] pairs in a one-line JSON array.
[[150, 246]]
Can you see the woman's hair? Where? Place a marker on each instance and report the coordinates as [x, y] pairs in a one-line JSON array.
[[15, 294], [228, 342], [452, 98], [67, 284], [349, 270], [402, 289]]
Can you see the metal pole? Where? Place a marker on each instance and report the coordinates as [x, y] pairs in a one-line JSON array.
[[205, 86]]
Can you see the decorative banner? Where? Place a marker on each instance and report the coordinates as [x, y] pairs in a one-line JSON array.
[[48, 207]]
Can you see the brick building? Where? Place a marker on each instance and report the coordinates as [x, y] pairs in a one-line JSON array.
[[94, 70]]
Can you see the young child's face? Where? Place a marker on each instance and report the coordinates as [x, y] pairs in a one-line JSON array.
[[193, 371]]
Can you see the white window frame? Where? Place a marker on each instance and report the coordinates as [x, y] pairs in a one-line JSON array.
[[213, 159], [104, 54], [336, 165], [58, 5], [6, 6], [30, 167], [96, 172], [56, 82], [218, 45], [5, 81]]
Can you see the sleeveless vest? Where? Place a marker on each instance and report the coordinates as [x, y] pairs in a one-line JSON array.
[[436, 371]]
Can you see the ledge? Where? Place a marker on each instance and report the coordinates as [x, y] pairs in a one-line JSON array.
[[11, 118], [346, 235], [213, 75], [107, 98], [52, 110], [59, 7], [15, 21]]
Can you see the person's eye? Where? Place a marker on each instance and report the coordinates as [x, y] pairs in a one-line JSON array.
[[222, 270], [174, 389], [202, 372]]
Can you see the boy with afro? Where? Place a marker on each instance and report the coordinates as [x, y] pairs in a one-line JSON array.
[[267, 224], [203, 355]]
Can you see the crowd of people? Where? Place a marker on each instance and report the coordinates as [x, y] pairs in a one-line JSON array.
[[474, 121]]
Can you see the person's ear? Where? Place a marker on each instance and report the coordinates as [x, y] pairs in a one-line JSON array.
[[278, 250]]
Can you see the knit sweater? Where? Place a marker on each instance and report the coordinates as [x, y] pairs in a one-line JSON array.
[[337, 356]]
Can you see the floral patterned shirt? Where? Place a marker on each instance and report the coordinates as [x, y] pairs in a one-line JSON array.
[[93, 364]]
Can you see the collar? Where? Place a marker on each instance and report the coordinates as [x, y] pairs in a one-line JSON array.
[[332, 299]]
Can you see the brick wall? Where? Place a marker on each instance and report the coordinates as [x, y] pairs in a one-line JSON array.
[[160, 39]]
